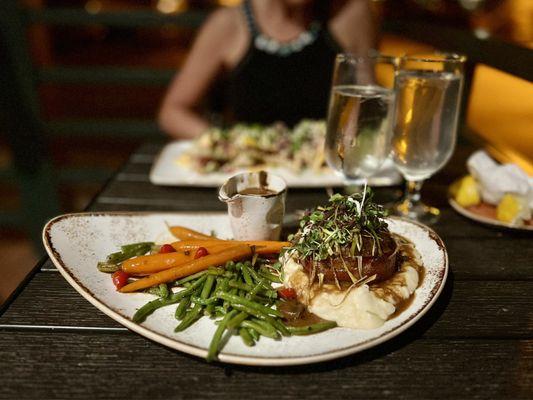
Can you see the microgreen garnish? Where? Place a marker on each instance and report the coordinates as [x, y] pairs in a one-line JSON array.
[[342, 224]]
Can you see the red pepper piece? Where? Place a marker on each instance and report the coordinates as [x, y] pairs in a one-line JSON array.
[[120, 279], [166, 248], [201, 252]]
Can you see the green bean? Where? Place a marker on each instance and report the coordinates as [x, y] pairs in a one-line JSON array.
[[220, 311], [251, 311], [310, 329], [217, 271], [138, 252], [163, 290], [256, 277], [250, 288], [218, 282], [129, 251], [217, 337], [280, 327], [230, 266], [190, 278], [153, 290], [255, 290], [208, 286], [236, 321], [247, 277], [267, 326], [141, 314], [115, 258], [150, 307], [104, 266], [248, 303], [190, 318], [271, 277], [259, 328], [250, 272], [223, 285], [209, 310], [254, 334], [182, 308], [204, 302], [135, 246], [236, 284], [246, 337], [259, 280], [272, 321]]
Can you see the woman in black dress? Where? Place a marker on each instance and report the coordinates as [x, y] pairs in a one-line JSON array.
[[276, 58]]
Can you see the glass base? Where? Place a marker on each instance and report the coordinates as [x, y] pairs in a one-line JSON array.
[[419, 212]]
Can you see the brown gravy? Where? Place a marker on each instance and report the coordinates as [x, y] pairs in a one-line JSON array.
[[408, 254], [402, 306], [257, 191], [296, 314]]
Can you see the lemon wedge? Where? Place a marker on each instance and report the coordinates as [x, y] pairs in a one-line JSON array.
[[511, 208], [465, 191]]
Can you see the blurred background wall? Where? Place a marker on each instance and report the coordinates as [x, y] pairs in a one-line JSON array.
[[82, 81]]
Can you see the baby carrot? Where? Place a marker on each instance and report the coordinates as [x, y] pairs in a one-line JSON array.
[[196, 243], [145, 265], [149, 264], [185, 233], [235, 253], [261, 246]]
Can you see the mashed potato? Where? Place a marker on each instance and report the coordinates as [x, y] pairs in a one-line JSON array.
[[361, 307]]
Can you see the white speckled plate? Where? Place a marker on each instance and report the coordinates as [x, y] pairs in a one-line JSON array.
[[167, 172], [76, 242]]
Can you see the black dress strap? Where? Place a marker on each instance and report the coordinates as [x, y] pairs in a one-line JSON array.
[[250, 20]]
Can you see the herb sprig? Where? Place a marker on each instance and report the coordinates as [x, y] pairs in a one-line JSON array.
[[342, 224]]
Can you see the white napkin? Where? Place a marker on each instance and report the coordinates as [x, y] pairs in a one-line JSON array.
[[496, 180]]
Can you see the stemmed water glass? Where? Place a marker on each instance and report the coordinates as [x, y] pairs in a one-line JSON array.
[[359, 125], [428, 92]]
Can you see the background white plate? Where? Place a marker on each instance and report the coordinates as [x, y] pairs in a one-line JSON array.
[[76, 242], [486, 220], [167, 172]]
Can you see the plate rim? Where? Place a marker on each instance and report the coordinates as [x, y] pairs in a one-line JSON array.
[[224, 357], [485, 220]]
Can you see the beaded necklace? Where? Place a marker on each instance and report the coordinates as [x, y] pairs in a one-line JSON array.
[[273, 46]]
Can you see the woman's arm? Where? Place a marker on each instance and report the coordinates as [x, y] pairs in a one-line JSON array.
[[177, 116]]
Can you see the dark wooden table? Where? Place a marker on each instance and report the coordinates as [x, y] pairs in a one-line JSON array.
[[476, 341]]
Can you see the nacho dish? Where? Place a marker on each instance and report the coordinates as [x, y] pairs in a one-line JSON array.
[[256, 146]]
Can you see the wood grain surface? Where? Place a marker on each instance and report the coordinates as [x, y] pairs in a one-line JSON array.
[[476, 341]]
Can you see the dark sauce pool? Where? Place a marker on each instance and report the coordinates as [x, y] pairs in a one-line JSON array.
[[296, 314]]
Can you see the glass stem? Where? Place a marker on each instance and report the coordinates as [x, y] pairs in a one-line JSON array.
[[412, 193]]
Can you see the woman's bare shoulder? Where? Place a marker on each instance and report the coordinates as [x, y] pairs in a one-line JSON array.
[[225, 30], [224, 23]]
